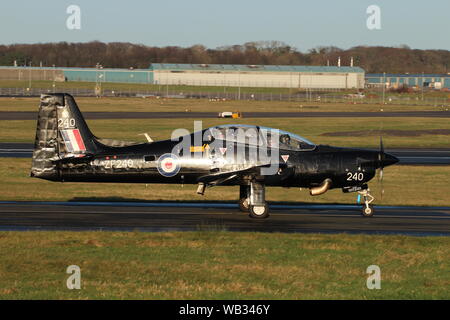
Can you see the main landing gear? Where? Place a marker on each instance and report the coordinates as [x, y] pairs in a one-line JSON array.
[[244, 201], [252, 199], [367, 210]]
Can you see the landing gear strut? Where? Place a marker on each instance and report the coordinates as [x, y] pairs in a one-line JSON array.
[[367, 210], [244, 201], [252, 199]]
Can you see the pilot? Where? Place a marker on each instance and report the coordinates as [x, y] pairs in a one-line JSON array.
[[285, 139]]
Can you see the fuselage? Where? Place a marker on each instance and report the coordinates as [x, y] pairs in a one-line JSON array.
[[140, 164]]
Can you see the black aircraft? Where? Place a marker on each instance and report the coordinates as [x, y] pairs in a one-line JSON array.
[[249, 156]]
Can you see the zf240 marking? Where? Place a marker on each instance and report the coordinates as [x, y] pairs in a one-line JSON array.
[[116, 164], [357, 176]]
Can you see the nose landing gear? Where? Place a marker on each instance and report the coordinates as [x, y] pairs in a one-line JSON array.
[[367, 210]]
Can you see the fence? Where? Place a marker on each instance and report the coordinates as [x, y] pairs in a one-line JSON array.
[[308, 96]]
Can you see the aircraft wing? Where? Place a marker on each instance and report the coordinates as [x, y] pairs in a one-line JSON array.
[[219, 178]]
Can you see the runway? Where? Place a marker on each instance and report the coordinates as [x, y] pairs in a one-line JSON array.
[[32, 115], [406, 156], [421, 156], [172, 216]]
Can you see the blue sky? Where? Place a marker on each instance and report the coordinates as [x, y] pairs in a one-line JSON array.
[[301, 24]]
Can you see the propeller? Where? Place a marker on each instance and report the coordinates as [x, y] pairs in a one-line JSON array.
[[381, 156]]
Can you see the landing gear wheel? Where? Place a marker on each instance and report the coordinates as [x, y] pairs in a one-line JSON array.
[[244, 205], [367, 211], [259, 211]]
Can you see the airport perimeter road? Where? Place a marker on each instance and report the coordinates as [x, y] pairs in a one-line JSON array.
[[30, 115], [406, 156], [18, 216]]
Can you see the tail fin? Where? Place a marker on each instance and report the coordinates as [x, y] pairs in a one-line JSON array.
[[61, 132]]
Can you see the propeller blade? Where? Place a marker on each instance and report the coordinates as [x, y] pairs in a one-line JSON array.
[[381, 157], [381, 153], [381, 145], [380, 180]]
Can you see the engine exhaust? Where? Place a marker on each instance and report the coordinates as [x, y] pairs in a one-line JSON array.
[[324, 187]]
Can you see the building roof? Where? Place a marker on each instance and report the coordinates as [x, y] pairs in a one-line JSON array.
[[407, 75], [258, 68], [72, 68]]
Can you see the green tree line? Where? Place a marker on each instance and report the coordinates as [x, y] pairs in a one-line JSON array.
[[400, 59]]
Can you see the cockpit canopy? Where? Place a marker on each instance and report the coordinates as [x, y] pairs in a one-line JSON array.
[[260, 136]]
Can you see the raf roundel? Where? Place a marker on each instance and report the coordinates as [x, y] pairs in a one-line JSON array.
[[168, 165]]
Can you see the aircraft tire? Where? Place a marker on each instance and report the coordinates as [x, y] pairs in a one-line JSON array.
[[367, 211], [259, 212]]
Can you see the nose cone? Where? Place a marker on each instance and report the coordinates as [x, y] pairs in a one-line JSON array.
[[388, 160]]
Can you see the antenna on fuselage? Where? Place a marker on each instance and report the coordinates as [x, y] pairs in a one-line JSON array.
[[150, 140]]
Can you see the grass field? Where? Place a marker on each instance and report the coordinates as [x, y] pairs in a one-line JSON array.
[[60, 86], [221, 265], [310, 128], [204, 105], [428, 186]]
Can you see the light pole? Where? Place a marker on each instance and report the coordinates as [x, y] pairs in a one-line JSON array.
[[239, 84], [29, 78], [422, 84], [98, 88], [96, 74], [384, 85], [224, 88], [167, 84], [54, 75], [290, 85]]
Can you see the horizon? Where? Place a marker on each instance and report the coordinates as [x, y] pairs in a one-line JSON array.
[[220, 47]]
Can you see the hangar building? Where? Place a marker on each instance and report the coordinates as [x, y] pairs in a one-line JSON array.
[[77, 74], [437, 81], [299, 77]]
